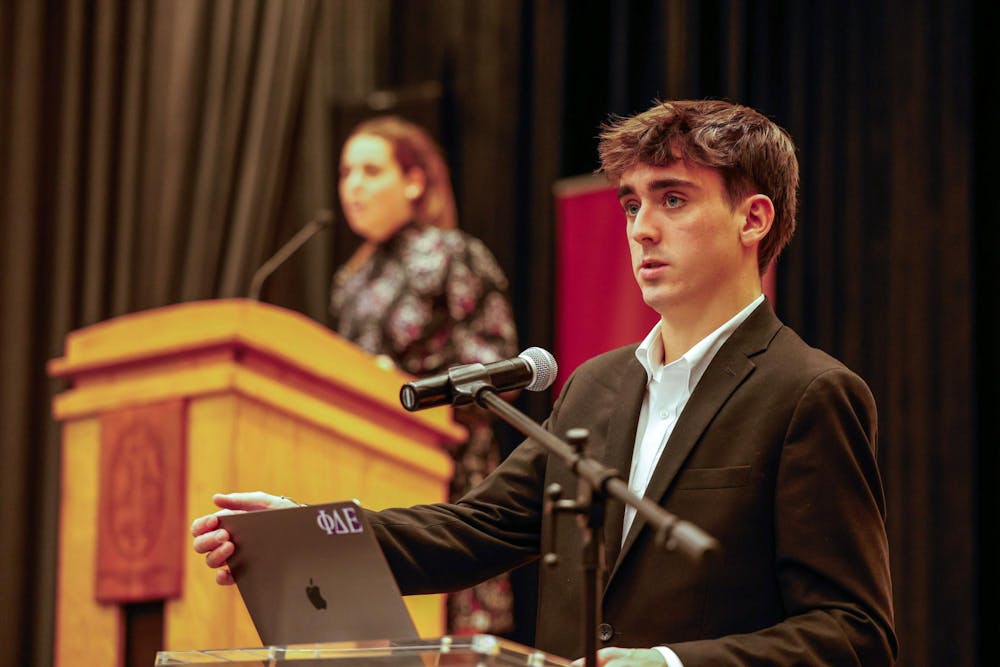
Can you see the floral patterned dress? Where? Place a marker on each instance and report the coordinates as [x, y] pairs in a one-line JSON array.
[[429, 299]]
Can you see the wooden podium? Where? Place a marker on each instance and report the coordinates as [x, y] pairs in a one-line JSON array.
[[168, 406]]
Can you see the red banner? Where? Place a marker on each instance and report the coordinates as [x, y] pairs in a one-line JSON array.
[[598, 305]]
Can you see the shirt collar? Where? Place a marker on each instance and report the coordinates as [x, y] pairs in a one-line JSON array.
[[650, 350]]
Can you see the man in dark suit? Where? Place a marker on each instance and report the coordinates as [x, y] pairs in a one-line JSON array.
[[722, 415]]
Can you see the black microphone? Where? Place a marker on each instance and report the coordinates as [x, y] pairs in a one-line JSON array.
[[323, 219], [534, 369]]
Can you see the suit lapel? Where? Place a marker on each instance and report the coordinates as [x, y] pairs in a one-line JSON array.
[[620, 446], [724, 375]]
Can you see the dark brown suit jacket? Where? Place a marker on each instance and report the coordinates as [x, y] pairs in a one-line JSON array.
[[774, 456]]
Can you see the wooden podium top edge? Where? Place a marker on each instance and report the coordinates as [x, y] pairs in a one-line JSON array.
[[192, 324], [186, 329]]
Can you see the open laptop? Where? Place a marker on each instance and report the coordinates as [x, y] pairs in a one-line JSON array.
[[315, 574]]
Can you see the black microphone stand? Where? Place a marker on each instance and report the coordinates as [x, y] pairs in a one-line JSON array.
[[595, 482]]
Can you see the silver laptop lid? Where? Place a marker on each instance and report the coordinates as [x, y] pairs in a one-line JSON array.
[[315, 574]]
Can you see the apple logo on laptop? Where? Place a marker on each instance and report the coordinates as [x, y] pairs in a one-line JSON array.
[[312, 592]]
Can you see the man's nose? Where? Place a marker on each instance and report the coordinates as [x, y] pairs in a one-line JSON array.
[[644, 229]]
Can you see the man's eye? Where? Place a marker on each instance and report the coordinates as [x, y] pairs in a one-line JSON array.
[[672, 201], [631, 209]]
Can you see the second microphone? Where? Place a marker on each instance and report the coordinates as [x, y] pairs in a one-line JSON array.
[[534, 369]]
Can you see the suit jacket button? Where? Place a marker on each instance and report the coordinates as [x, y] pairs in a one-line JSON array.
[[605, 631]]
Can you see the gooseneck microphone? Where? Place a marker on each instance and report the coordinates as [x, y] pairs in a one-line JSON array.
[[534, 369], [323, 219]]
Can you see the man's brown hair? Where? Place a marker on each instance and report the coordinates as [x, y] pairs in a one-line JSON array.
[[753, 154]]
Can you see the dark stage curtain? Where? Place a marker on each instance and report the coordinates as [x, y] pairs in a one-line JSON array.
[[156, 152]]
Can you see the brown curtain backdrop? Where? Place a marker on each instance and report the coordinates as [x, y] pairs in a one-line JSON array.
[[158, 151], [143, 152]]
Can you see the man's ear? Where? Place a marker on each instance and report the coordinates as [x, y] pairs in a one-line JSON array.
[[759, 214]]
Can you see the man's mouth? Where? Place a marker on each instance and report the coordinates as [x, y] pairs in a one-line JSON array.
[[651, 268]]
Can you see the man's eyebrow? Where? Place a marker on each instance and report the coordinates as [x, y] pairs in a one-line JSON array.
[[664, 183], [658, 184]]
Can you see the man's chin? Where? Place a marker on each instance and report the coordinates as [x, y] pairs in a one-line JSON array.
[[658, 300]]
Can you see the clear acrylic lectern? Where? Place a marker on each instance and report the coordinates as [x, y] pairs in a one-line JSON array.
[[448, 651]]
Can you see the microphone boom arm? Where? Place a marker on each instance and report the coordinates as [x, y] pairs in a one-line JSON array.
[[674, 533], [323, 219]]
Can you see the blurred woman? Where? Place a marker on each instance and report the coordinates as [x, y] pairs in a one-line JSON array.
[[427, 296]]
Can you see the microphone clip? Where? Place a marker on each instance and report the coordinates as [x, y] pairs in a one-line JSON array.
[[468, 383]]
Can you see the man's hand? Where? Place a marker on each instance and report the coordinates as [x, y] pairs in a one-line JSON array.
[[626, 657], [214, 542]]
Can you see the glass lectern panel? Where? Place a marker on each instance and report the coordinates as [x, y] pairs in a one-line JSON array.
[[448, 651]]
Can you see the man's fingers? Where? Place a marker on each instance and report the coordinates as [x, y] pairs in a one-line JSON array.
[[203, 524], [218, 556], [609, 653], [604, 655], [245, 501], [209, 522], [612, 656], [208, 542], [215, 542]]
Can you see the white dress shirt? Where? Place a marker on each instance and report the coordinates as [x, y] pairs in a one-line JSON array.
[[668, 388]]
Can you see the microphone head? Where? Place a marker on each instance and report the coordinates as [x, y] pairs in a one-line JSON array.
[[544, 366]]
